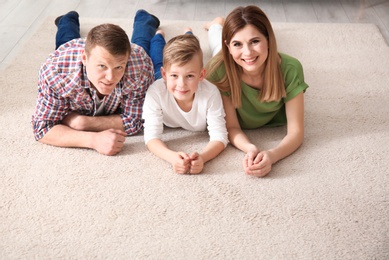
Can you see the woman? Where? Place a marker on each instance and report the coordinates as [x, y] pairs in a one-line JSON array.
[[260, 86]]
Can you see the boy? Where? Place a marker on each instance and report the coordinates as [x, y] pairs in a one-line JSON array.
[[183, 98]]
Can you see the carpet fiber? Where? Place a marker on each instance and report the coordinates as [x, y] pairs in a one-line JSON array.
[[329, 200]]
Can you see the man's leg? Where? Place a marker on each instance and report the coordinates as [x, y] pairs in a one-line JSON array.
[[68, 28], [145, 27]]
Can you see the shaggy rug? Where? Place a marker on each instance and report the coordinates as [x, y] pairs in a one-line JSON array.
[[328, 200]]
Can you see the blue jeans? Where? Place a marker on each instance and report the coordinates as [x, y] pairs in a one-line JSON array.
[[68, 29], [143, 34], [156, 54]]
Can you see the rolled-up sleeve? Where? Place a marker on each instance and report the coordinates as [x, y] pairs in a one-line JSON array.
[[139, 76]]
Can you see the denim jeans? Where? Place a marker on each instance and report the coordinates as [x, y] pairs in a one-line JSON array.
[[156, 54], [143, 34], [68, 29]]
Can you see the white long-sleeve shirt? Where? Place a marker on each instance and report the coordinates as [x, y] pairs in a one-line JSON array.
[[160, 108]]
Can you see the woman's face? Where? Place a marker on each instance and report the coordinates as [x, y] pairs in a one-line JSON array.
[[249, 49]]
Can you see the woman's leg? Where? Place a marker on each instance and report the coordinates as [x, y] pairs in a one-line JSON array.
[[215, 38], [215, 28], [68, 28], [156, 53], [145, 26]]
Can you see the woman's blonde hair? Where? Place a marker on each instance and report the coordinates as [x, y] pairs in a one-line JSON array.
[[273, 83], [181, 49]]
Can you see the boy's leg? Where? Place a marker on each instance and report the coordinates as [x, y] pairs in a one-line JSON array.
[[145, 26], [156, 53], [68, 28]]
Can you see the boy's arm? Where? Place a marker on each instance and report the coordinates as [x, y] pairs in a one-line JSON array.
[[211, 150], [179, 160]]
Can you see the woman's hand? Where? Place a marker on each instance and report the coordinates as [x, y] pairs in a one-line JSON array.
[[259, 164]]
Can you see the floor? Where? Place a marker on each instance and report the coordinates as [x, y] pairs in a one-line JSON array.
[[20, 18]]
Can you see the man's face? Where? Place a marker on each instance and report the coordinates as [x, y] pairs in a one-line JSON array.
[[103, 69]]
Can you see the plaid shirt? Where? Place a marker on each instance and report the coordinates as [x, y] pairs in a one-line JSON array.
[[63, 87]]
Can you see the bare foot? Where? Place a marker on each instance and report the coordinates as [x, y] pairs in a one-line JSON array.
[[161, 32], [187, 30], [217, 20]]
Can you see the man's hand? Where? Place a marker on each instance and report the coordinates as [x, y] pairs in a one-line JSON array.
[[109, 142]]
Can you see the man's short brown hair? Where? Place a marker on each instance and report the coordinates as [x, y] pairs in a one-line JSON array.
[[109, 36]]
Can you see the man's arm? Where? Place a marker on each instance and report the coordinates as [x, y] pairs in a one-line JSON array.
[[137, 79], [93, 123], [108, 142]]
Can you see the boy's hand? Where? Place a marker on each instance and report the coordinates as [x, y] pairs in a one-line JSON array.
[[181, 163], [196, 163]]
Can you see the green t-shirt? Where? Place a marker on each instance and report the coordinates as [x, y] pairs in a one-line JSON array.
[[254, 113]]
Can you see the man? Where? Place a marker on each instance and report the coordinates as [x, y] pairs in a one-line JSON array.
[[91, 91]]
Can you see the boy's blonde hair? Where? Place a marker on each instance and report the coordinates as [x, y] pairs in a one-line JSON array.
[[181, 49]]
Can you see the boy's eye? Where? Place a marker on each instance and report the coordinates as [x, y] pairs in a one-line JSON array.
[[101, 66], [190, 76]]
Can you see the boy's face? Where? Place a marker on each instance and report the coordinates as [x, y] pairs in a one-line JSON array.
[[103, 69], [182, 80]]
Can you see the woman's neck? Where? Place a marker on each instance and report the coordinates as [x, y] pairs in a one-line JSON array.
[[254, 80]]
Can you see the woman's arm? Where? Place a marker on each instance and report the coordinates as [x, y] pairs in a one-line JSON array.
[[235, 134], [295, 129], [290, 143]]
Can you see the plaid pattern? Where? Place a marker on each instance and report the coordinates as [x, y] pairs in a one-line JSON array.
[[63, 87]]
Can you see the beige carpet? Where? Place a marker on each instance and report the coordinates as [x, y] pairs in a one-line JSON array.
[[329, 200]]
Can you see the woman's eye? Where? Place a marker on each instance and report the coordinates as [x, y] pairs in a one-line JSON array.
[[255, 41]]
